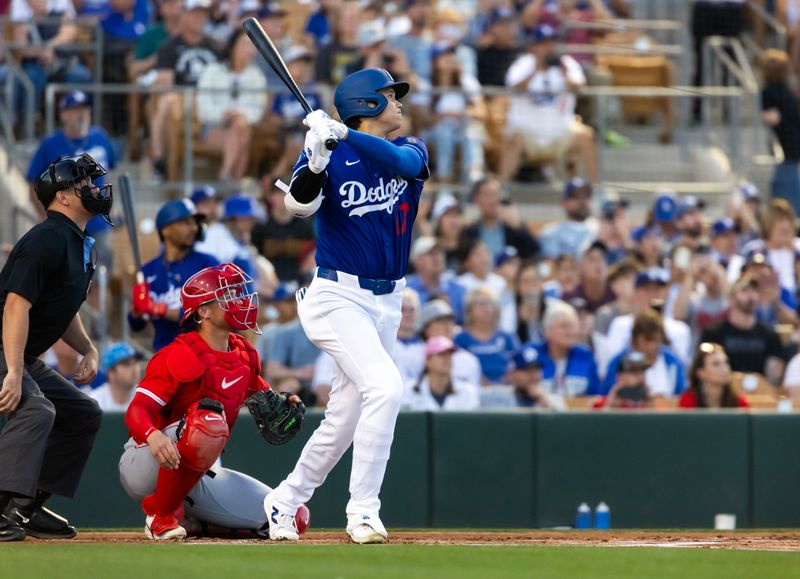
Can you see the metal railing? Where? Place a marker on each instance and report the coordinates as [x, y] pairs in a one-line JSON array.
[[778, 37], [95, 47], [725, 62], [14, 75], [731, 143]]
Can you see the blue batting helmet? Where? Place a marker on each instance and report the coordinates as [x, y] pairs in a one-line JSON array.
[[178, 210], [360, 90]]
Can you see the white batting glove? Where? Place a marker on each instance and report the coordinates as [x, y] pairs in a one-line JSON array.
[[318, 155], [339, 130], [315, 118]]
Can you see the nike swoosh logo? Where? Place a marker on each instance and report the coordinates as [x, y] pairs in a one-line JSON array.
[[151, 278], [351, 163], [23, 520], [226, 384]]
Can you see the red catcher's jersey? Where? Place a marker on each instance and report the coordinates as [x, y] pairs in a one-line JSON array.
[[228, 377]]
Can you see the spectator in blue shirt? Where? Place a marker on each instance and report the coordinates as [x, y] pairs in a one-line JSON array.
[[122, 27], [318, 26], [481, 336], [430, 280], [568, 368], [77, 135]]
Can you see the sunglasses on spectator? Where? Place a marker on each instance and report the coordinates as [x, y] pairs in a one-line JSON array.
[[709, 348]]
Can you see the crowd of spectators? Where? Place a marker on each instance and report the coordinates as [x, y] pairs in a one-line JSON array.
[[680, 309], [706, 317], [448, 52]]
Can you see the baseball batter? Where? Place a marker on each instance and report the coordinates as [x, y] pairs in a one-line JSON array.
[[365, 195], [181, 415]]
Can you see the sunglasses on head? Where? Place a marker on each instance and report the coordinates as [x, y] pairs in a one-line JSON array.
[[709, 348]]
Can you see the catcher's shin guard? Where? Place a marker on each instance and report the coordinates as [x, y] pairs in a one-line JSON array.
[[201, 437]]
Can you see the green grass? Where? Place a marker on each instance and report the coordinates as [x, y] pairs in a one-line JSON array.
[[268, 561]]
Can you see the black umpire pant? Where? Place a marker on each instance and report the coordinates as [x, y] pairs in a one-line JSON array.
[[46, 441]]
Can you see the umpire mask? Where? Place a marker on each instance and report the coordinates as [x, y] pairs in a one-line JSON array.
[[99, 204]]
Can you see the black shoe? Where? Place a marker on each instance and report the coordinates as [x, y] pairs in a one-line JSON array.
[[41, 522], [10, 530]]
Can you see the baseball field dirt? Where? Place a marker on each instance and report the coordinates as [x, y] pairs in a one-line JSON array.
[[749, 540]]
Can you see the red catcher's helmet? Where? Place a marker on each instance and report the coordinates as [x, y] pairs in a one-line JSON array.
[[230, 287]]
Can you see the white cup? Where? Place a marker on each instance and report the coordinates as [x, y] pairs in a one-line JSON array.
[[724, 522]]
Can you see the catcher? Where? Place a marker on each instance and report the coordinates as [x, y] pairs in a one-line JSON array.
[[184, 408]]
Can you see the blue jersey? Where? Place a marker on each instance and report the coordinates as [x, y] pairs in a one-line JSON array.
[[166, 279], [364, 223], [579, 377], [494, 354], [96, 143]]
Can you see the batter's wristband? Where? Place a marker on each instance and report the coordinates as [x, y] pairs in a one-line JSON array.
[[148, 432]]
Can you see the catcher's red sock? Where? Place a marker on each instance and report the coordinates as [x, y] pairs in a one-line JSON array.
[[171, 488]]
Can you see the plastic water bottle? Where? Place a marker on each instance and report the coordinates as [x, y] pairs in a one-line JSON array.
[[583, 520], [602, 517]]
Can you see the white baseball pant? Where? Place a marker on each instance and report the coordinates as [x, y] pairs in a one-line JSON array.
[[358, 329], [230, 499]]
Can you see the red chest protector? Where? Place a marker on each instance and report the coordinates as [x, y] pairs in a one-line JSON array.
[[228, 377]]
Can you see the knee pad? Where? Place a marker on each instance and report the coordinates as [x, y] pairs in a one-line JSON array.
[[202, 435]]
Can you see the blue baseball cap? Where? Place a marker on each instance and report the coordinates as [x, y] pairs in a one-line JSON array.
[[749, 191], [508, 252], [576, 185], [632, 361], [241, 205], [441, 48], [498, 15], [285, 291], [612, 202], [525, 358], [653, 275], [665, 208], [203, 193], [639, 233], [118, 352], [271, 10], [73, 100], [689, 203], [722, 226], [542, 33]]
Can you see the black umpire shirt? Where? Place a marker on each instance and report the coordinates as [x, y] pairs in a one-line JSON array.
[[51, 267]]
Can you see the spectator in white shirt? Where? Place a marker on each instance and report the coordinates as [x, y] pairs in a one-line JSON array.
[[550, 81], [123, 372], [409, 350], [651, 289], [436, 389], [791, 380], [232, 97]]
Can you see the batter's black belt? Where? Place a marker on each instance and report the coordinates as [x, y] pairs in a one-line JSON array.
[[379, 287]]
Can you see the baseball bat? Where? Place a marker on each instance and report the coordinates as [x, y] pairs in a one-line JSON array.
[[126, 193], [267, 49]]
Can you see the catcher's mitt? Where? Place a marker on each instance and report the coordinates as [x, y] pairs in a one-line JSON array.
[[277, 419]]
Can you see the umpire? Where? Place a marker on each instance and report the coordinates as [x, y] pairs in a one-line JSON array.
[[51, 425]]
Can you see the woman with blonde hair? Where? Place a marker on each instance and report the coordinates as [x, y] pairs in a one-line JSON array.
[[482, 337]]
